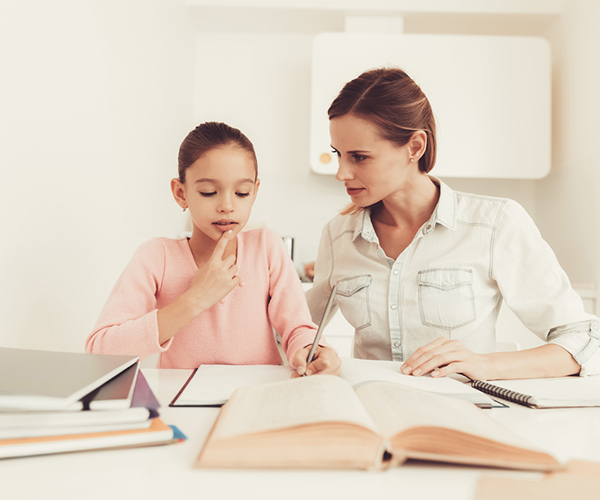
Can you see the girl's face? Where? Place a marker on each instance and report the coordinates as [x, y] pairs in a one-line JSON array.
[[220, 189], [371, 167]]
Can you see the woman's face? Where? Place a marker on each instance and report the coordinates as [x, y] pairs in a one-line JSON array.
[[371, 167], [220, 189]]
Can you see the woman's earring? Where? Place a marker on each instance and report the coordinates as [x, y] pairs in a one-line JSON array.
[[184, 208], [412, 159]]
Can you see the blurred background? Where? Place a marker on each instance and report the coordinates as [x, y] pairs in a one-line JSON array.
[[97, 95]]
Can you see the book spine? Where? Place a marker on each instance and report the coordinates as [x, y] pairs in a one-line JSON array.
[[500, 392]]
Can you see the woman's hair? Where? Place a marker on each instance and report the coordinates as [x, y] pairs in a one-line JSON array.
[[390, 99], [208, 136]]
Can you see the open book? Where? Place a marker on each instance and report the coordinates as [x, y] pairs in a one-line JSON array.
[[321, 422]]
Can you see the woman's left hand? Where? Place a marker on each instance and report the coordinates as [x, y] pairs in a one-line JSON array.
[[443, 357], [325, 361]]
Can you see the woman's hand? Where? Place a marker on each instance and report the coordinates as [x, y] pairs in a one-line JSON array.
[[325, 361], [443, 357]]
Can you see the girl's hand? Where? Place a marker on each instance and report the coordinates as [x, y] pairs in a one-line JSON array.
[[325, 361], [443, 357], [213, 281]]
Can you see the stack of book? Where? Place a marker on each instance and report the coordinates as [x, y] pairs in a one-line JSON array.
[[56, 402]]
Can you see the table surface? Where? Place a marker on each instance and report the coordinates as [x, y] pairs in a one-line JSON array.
[[166, 472]]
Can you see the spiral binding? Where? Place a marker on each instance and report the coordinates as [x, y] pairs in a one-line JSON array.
[[501, 392]]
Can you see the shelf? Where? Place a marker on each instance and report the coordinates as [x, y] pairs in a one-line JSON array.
[[399, 6]]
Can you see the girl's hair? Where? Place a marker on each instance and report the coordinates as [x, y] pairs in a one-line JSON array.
[[208, 136], [390, 99]]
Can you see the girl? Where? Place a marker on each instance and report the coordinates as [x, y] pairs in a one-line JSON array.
[[214, 297], [441, 261]]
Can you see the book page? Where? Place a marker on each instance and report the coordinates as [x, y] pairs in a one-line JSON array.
[[395, 408], [214, 384], [359, 371], [305, 400]]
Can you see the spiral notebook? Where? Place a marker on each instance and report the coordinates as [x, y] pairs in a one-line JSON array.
[[560, 392]]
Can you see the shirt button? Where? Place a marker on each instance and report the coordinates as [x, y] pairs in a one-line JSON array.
[[394, 306], [395, 271], [444, 283], [396, 344], [594, 326]]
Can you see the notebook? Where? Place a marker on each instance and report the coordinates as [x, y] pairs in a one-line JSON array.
[[213, 385], [559, 392], [51, 380]]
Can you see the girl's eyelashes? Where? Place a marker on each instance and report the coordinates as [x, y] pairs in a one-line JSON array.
[[335, 152], [208, 195]]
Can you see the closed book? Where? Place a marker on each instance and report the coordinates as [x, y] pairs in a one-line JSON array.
[[157, 433], [114, 394], [50, 380], [43, 423]]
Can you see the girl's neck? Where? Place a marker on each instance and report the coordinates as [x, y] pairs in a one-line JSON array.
[[202, 247], [410, 206]]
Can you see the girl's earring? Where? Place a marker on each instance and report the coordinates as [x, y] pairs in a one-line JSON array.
[[184, 208]]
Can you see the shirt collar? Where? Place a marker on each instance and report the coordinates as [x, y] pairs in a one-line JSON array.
[[444, 213], [364, 226]]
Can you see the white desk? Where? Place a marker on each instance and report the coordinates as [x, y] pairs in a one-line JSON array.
[[165, 472]]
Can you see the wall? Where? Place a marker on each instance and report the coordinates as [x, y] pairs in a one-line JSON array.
[[96, 96]]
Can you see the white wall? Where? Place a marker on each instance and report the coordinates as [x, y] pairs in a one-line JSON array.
[[96, 96]]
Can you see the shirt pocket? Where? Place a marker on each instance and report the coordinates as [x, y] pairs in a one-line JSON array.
[[446, 297], [353, 299]]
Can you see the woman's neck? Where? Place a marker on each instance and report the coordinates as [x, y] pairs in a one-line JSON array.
[[411, 206]]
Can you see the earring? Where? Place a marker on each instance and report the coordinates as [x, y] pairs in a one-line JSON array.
[[184, 209], [412, 159]]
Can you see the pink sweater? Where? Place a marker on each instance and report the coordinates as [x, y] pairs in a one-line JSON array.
[[239, 331]]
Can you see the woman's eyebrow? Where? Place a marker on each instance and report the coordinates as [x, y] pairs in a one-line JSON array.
[[354, 151]]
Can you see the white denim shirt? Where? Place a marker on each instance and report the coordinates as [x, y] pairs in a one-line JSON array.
[[474, 252]]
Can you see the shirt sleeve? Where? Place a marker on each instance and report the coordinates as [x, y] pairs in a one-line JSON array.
[[128, 322], [287, 309], [538, 291], [318, 294]]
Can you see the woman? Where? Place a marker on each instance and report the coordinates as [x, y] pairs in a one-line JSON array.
[[423, 270]]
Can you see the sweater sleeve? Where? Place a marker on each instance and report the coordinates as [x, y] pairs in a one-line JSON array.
[[287, 309], [128, 322]]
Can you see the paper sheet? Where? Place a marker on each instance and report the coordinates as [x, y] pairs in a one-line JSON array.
[[214, 384]]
